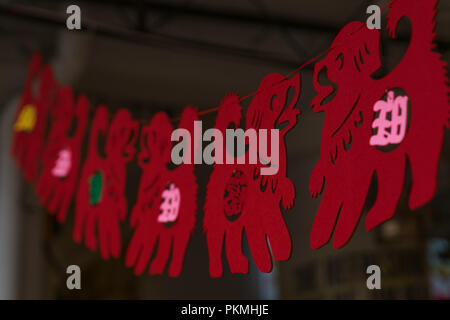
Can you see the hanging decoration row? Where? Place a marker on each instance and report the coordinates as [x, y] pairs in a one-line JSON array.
[[373, 127]]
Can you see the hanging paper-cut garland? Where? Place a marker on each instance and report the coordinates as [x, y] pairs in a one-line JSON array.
[[167, 200], [367, 114], [101, 201], [239, 198], [62, 155], [372, 127], [31, 119]]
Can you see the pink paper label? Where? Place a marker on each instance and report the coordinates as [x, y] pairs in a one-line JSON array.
[[62, 164], [391, 122], [170, 205]]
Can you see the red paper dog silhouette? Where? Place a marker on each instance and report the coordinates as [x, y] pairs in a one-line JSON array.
[[350, 156], [31, 119], [101, 200], [239, 198], [167, 200], [62, 155]]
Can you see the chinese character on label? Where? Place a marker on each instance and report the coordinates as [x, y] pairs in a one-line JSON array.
[[170, 205], [391, 122]]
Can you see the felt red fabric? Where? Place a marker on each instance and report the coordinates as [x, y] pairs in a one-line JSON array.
[[239, 198], [348, 163], [101, 201], [56, 191], [27, 146], [148, 216]]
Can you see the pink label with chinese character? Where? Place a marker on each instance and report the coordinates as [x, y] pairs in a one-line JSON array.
[[62, 164], [170, 205], [391, 122]]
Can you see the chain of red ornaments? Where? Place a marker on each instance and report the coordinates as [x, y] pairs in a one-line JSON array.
[[373, 128]]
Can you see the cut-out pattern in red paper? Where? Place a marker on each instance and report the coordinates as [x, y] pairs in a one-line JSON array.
[[235, 193], [32, 117], [239, 198], [101, 200], [156, 181], [348, 163], [62, 155]]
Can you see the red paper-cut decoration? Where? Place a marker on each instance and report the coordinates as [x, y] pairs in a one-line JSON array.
[[101, 201], [348, 161], [32, 117], [157, 182], [62, 155], [239, 198]]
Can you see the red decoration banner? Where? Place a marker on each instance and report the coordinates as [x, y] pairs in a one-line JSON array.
[[373, 128]]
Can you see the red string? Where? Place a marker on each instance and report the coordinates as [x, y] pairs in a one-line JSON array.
[[307, 63]]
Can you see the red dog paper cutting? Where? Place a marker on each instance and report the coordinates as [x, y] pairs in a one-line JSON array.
[[101, 200], [407, 111], [239, 198], [62, 156], [167, 200]]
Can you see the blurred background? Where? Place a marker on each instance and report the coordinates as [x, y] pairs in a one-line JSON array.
[[149, 56]]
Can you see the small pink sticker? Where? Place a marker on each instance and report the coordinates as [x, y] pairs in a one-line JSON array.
[[390, 131], [170, 205], [62, 164]]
